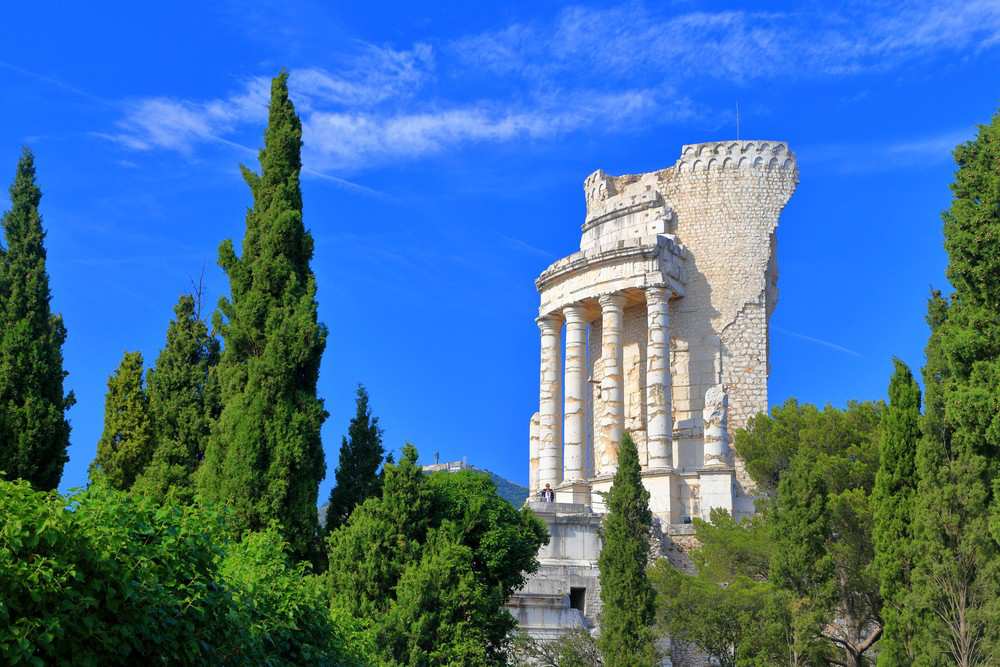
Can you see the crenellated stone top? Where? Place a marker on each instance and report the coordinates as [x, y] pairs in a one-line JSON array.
[[721, 155]]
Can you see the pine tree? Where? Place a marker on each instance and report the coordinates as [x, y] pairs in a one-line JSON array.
[[957, 509], [34, 432], [627, 597], [183, 404], [357, 475], [265, 457], [126, 445], [892, 500]]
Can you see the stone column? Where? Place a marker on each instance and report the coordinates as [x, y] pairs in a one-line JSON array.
[[612, 419], [549, 409], [659, 413], [715, 418], [533, 455], [574, 411]]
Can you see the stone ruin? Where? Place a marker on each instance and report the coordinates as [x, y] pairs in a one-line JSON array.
[[657, 326]]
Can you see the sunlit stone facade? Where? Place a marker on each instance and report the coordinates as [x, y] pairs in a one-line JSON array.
[[658, 326]]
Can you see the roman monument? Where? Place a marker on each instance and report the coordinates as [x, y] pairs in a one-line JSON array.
[[657, 325]]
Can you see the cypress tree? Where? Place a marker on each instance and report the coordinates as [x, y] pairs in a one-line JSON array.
[[357, 475], [265, 457], [892, 499], [34, 432], [957, 510], [183, 404], [627, 597], [126, 445]]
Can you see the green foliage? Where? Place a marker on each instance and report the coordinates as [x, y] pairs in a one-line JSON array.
[[183, 404], [34, 432], [819, 467], [107, 578], [265, 458], [626, 595], [126, 445], [821, 525], [357, 476], [575, 648], [744, 623], [892, 501], [845, 438], [957, 508], [730, 549], [430, 564]]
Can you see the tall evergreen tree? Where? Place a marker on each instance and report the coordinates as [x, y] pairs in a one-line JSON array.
[[126, 445], [265, 457], [892, 500], [34, 432], [183, 403], [627, 597], [357, 475], [957, 510]]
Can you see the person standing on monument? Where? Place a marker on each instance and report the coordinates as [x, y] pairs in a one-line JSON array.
[[548, 495]]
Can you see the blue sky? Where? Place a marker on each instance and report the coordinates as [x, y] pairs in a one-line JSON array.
[[445, 148]]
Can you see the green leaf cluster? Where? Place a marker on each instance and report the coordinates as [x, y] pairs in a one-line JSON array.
[[627, 598], [127, 442], [264, 459], [361, 454], [108, 578], [430, 563], [796, 583], [956, 541], [893, 501], [184, 403], [34, 431]]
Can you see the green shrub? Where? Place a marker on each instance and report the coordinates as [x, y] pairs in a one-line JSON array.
[[105, 578]]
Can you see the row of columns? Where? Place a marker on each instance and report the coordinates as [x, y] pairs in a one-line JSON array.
[[562, 428]]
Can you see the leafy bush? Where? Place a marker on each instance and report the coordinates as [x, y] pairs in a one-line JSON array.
[[105, 578], [430, 564]]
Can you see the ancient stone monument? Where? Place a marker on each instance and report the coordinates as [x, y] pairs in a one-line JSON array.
[[657, 326]]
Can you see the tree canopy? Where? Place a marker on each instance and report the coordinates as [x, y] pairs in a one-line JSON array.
[[265, 458], [361, 454], [183, 404], [34, 431], [127, 442], [430, 564]]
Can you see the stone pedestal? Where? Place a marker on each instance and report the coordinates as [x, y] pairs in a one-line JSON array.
[[574, 491], [664, 502], [717, 488]]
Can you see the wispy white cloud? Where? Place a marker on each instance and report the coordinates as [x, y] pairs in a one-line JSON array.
[[347, 139], [630, 39], [602, 70], [818, 341]]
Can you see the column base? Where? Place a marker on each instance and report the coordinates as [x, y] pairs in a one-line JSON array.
[[716, 485], [576, 492], [664, 494]]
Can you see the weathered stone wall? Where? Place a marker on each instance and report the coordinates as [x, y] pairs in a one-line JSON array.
[[722, 203]]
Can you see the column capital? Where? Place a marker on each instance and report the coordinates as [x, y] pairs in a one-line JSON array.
[[615, 300], [657, 294], [550, 322], [575, 313]]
